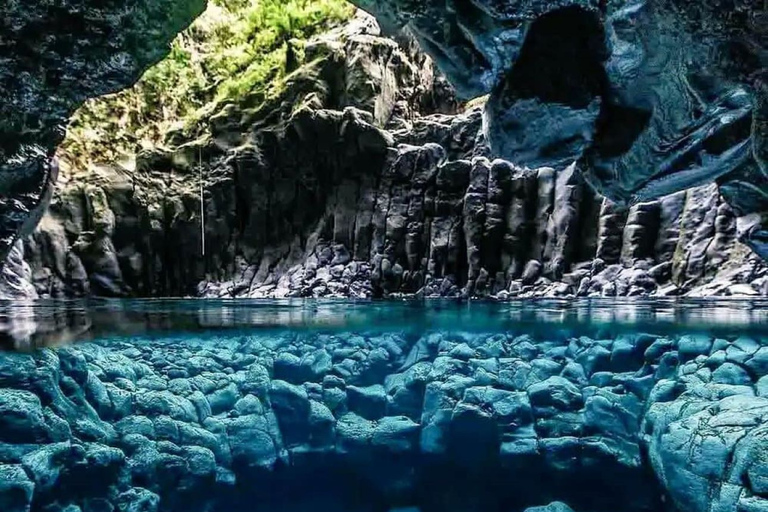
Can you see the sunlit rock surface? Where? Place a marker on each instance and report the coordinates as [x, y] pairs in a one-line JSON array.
[[54, 56], [16, 280], [441, 421]]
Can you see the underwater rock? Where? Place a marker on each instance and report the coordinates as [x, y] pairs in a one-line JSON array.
[[552, 507], [194, 424], [16, 489]]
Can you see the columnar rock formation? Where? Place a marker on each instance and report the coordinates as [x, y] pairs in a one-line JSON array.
[[362, 178], [650, 97], [351, 184], [368, 422]]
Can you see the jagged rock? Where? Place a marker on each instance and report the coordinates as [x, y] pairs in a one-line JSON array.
[[54, 57], [637, 133], [138, 500], [369, 402], [552, 507], [16, 276], [22, 418], [16, 489], [361, 191]]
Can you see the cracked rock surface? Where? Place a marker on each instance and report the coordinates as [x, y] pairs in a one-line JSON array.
[[53, 57], [369, 191], [650, 97], [366, 178], [387, 420]]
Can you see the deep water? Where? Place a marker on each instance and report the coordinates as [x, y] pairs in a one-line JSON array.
[[341, 406]]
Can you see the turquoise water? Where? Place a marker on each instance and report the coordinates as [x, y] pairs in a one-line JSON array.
[[41, 323], [346, 406]]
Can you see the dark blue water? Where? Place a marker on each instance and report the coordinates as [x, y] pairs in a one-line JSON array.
[[346, 406]]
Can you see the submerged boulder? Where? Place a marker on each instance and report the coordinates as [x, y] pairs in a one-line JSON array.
[[680, 416]]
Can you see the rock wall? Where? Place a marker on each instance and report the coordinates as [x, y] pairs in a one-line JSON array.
[[676, 100], [53, 57], [437, 421], [649, 97], [16, 276], [365, 178]]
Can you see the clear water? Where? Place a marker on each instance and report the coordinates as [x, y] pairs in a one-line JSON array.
[[37, 324], [349, 406]]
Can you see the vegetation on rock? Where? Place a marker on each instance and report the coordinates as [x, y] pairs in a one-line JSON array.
[[238, 49]]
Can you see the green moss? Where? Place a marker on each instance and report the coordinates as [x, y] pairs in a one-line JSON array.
[[238, 50]]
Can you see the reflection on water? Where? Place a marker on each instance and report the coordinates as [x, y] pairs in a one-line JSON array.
[[30, 325]]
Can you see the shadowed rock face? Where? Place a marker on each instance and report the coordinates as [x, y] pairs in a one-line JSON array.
[[396, 200], [54, 56], [650, 97]]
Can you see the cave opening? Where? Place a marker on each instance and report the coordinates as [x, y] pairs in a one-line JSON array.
[[544, 112], [562, 59]]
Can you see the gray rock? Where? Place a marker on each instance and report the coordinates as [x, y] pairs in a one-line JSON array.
[[543, 42], [72, 67], [430, 215]]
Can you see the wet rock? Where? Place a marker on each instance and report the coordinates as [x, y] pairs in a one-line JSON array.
[[292, 409], [16, 275], [369, 402], [521, 56], [555, 392], [16, 489], [21, 418], [71, 53], [138, 500], [555, 506], [729, 373], [540, 406]]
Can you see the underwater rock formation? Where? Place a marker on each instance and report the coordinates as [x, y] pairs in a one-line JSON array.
[[440, 421], [650, 98]]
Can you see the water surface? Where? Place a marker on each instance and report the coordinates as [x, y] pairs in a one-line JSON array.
[[349, 406], [42, 323]]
